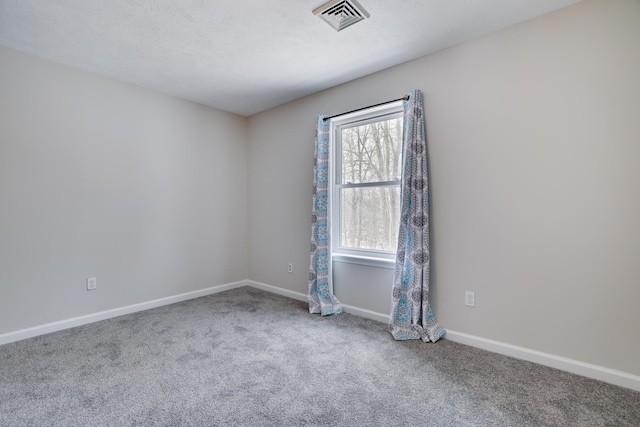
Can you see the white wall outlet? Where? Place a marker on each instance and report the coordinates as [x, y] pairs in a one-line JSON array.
[[92, 283], [290, 268], [470, 299]]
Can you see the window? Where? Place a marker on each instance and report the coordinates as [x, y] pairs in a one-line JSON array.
[[366, 184]]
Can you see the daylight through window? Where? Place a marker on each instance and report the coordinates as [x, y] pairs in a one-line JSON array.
[[366, 191]]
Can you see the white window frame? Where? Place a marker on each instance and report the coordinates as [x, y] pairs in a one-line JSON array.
[[374, 258]]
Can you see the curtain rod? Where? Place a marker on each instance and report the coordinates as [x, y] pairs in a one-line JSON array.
[[404, 98]]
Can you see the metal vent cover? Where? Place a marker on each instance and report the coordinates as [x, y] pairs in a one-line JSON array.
[[341, 13]]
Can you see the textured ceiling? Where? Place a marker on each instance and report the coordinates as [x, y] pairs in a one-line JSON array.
[[246, 56]]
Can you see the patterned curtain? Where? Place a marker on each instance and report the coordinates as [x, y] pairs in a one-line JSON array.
[[320, 295], [411, 315]]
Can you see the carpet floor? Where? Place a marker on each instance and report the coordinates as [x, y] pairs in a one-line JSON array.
[[246, 357]]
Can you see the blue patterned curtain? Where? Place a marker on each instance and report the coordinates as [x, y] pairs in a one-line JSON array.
[[320, 295], [411, 316]]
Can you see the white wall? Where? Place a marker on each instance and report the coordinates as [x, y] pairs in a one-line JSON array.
[[534, 141], [100, 178]]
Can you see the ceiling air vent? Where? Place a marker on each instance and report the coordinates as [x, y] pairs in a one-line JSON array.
[[341, 13]]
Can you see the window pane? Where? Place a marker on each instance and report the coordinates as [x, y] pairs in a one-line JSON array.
[[371, 153], [369, 218]]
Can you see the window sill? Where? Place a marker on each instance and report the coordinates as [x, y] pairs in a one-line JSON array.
[[364, 260]]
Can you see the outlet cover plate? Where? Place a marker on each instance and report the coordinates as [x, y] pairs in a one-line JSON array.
[[92, 283], [470, 299]]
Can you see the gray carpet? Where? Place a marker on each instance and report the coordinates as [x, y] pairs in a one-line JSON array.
[[250, 358]]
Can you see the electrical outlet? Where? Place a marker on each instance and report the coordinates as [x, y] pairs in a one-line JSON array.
[[290, 268], [92, 283], [470, 299]]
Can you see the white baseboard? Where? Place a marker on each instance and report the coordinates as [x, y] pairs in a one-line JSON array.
[[108, 314], [611, 376], [588, 370], [362, 312], [276, 290]]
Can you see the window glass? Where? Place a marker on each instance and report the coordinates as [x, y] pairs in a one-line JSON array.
[[371, 152], [366, 183], [369, 218]]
